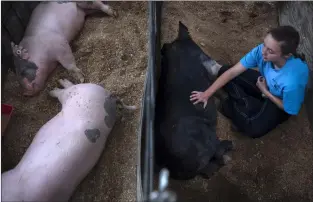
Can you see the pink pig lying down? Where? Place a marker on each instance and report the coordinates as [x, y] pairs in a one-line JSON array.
[[66, 148], [52, 26]]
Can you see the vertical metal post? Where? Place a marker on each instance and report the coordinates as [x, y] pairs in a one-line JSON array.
[[150, 103]]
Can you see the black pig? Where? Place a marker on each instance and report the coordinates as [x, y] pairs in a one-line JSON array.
[[185, 134]]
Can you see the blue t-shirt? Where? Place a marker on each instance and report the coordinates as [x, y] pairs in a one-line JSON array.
[[287, 83]]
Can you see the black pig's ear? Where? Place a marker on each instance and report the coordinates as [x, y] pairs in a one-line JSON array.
[[183, 32]]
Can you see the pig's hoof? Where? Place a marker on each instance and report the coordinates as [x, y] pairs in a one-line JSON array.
[[79, 75], [82, 80], [55, 92], [113, 13], [65, 83], [234, 144], [226, 159]]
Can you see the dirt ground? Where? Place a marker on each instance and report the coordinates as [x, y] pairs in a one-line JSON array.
[[276, 167], [113, 52]]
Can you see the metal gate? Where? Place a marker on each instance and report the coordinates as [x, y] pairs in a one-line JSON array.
[[145, 165]]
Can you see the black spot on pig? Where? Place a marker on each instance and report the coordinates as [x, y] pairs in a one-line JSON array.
[[92, 134], [185, 135], [110, 108], [25, 68]]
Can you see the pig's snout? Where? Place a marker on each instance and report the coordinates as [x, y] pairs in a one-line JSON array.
[[29, 88], [27, 75]]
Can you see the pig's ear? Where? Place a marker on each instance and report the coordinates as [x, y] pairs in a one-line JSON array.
[[12, 45], [183, 32]]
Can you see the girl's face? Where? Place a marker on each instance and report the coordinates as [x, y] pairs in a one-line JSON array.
[[271, 51]]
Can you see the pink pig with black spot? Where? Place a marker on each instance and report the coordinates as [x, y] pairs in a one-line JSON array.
[[52, 26], [66, 148]]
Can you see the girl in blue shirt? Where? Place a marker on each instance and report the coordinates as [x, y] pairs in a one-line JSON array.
[[260, 100]]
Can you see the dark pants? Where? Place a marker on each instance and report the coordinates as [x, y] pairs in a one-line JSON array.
[[253, 115]]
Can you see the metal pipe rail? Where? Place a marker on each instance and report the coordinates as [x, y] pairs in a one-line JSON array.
[[145, 169]]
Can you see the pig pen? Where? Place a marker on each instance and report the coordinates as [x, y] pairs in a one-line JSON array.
[[112, 52], [276, 167]]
